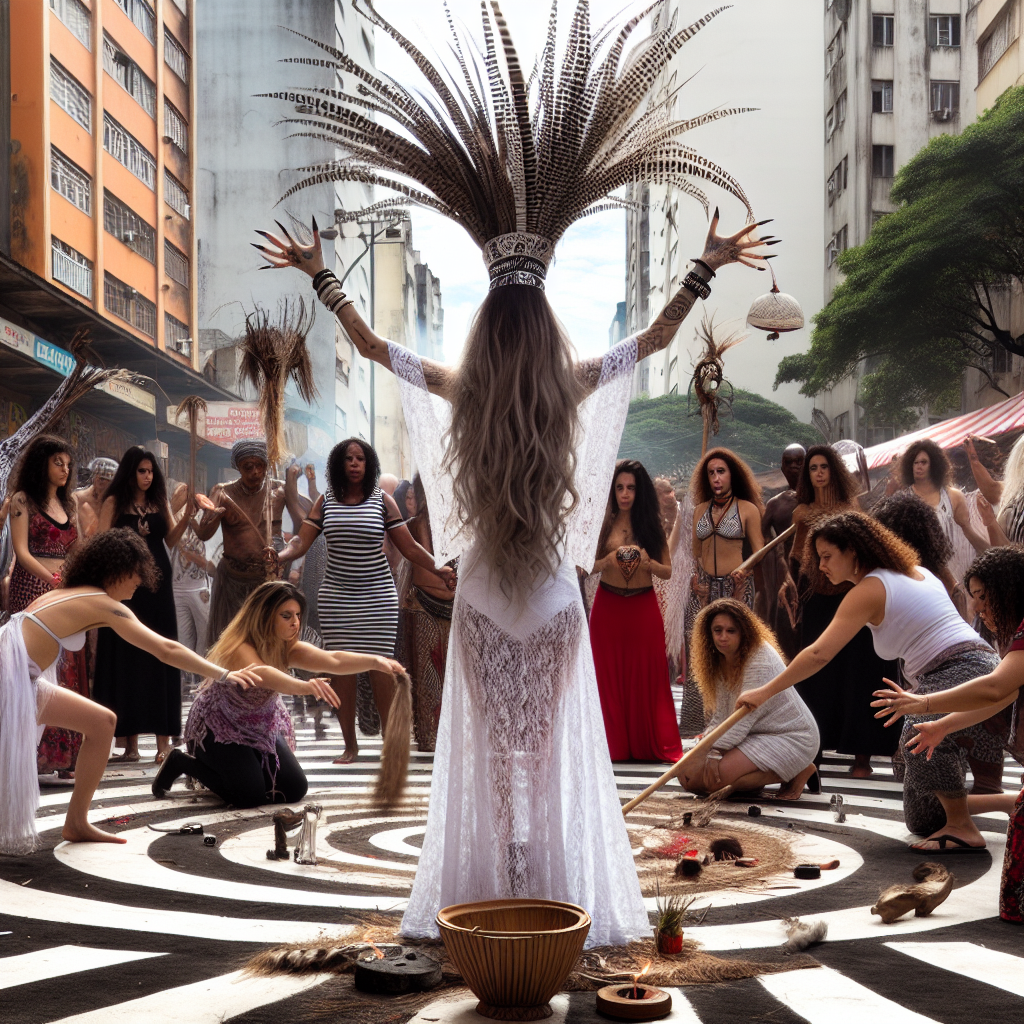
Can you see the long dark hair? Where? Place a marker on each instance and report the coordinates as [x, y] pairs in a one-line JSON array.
[[644, 516], [122, 487], [916, 522], [336, 480], [32, 476], [841, 481], [1001, 572], [938, 464], [744, 486]]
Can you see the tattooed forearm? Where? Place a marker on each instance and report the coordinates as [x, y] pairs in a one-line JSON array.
[[650, 341]]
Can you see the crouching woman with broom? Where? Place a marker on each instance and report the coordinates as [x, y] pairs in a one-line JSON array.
[[242, 740]]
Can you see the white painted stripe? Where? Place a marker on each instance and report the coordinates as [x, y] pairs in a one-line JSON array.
[[203, 1002], [463, 1011], [44, 964], [1001, 970], [823, 996]]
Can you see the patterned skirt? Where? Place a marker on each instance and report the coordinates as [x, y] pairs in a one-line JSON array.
[[425, 625], [1011, 887]]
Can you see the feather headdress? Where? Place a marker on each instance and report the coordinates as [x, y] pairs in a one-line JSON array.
[[514, 159]]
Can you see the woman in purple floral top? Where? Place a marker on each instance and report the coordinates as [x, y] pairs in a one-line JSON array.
[[242, 741]]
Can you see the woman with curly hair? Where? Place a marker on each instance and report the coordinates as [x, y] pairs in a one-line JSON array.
[[358, 603], [97, 578], [838, 694], [627, 634], [44, 531], [914, 521], [726, 528], [143, 693], [925, 470], [242, 742], [911, 617], [734, 651]]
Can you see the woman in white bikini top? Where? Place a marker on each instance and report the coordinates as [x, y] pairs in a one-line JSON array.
[[97, 578]]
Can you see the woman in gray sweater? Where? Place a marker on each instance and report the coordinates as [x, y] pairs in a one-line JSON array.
[[731, 651]]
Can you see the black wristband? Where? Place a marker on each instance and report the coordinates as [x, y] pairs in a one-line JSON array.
[[699, 288], [701, 263], [320, 276]]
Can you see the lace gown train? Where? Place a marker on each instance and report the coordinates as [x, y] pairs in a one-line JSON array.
[[523, 800]]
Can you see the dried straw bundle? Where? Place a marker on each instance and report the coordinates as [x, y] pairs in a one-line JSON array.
[[271, 353], [394, 756], [191, 406], [709, 374]]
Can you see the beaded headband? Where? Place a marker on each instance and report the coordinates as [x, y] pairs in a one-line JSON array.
[[518, 258]]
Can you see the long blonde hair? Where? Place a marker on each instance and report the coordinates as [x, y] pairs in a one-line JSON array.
[[512, 440], [254, 625], [707, 662]]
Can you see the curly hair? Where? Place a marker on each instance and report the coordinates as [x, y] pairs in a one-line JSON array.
[[644, 516], [916, 522], [32, 477], [744, 486], [109, 557], [336, 479], [875, 546], [1001, 572], [122, 487], [254, 625], [938, 464], [842, 484], [707, 663]]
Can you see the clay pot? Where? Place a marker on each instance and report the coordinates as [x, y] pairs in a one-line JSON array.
[[668, 945]]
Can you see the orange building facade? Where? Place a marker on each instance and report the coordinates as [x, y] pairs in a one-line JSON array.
[[103, 159]]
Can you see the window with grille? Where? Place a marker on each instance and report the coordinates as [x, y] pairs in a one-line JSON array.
[[883, 161], [175, 264], [125, 302], [175, 56], [837, 180], [945, 98], [125, 71], [176, 195], [944, 30], [142, 16], [835, 50], [67, 178], [177, 336], [830, 123], [175, 127], [77, 17], [69, 94], [881, 97], [70, 267], [127, 150], [883, 28], [836, 244], [127, 226], [841, 109], [996, 43], [1002, 359]]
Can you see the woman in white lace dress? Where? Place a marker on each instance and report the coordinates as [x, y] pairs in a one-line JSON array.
[[516, 448]]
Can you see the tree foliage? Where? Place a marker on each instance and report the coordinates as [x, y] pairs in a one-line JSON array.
[[920, 296], [660, 433]]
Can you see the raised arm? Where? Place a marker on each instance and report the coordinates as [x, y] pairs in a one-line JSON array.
[[990, 488], [176, 530]]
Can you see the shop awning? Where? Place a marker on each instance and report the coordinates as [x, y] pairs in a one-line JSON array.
[[988, 422]]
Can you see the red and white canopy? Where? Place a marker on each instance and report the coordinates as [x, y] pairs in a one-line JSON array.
[[988, 422]]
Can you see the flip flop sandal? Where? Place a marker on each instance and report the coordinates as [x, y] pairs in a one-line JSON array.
[[124, 759], [955, 845]]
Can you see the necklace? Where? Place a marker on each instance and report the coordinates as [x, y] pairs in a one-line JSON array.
[[142, 511], [721, 502]]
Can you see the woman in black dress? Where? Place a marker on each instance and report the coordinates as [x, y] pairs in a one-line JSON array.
[[144, 693]]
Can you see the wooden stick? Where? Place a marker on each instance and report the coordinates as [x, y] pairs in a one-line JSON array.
[[705, 744], [761, 552]]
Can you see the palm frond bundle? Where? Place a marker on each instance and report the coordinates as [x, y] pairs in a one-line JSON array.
[[504, 153], [191, 406]]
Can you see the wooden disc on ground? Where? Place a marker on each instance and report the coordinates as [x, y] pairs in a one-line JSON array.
[[614, 1001], [399, 971]]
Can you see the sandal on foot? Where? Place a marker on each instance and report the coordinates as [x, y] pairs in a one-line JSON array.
[[948, 845], [124, 758]]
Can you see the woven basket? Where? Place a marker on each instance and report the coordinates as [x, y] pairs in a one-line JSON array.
[[514, 954]]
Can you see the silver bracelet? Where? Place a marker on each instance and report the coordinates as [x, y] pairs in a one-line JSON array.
[[223, 677]]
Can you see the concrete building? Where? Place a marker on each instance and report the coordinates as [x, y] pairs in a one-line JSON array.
[[898, 73], [246, 163]]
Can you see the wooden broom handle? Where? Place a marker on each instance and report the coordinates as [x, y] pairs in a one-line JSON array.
[[705, 744], [761, 552]]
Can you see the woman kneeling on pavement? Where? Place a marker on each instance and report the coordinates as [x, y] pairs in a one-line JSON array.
[[242, 741]]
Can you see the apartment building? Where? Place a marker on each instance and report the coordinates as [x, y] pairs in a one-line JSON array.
[[102, 160]]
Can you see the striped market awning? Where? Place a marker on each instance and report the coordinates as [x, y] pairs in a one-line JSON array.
[[988, 422]]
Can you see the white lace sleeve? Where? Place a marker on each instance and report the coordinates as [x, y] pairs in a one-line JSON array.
[[428, 417], [602, 417]]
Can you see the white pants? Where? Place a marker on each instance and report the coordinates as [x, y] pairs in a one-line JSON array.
[[193, 609]]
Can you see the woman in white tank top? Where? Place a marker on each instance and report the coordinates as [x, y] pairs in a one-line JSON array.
[[912, 618]]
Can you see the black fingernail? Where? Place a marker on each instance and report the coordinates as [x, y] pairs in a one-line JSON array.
[[760, 222], [774, 242], [315, 228], [716, 213]]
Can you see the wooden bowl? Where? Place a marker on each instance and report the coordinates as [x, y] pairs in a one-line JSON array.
[[614, 1001], [514, 954]]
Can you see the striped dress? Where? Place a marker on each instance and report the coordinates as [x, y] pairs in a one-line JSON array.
[[357, 602]]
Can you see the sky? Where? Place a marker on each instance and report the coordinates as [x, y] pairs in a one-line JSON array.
[[760, 53]]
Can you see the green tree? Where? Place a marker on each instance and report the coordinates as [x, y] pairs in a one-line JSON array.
[[660, 433], [920, 297]]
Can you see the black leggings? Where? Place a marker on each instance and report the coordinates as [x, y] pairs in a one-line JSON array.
[[236, 773]]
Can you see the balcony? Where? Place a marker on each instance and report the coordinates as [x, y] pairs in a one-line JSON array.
[[71, 268]]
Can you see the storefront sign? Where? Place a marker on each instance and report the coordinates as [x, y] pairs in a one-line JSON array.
[[223, 423], [130, 393]]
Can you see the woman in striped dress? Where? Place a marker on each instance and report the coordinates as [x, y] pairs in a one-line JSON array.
[[358, 603]]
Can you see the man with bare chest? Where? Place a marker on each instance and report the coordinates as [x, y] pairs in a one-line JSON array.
[[244, 510], [89, 499]]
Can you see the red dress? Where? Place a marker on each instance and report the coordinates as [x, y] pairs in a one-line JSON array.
[[627, 636], [58, 749], [1011, 887]]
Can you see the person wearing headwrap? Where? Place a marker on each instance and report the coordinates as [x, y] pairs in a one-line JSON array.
[[244, 510], [90, 498]]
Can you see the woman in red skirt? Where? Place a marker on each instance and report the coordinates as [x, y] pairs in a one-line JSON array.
[[626, 630]]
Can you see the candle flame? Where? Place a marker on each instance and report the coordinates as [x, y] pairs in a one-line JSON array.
[[644, 970]]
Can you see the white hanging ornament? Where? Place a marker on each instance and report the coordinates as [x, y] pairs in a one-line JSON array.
[[775, 312]]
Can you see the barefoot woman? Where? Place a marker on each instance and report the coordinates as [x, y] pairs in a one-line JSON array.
[[98, 576]]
